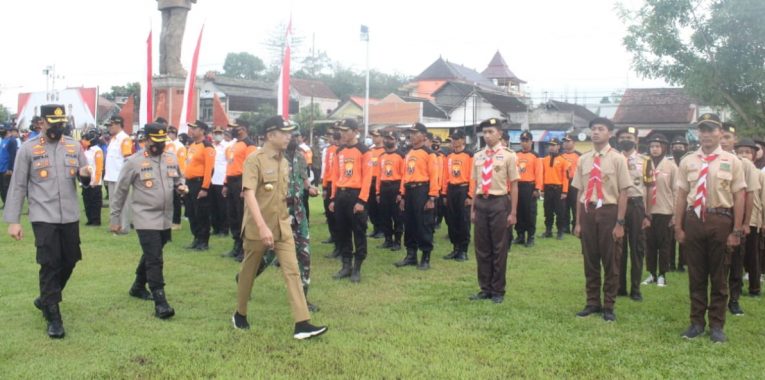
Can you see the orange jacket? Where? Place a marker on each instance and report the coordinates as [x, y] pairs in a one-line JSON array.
[[392, 167], [201, 162], [236, 154], [573, 159], [421, 166], [458, 170], [329, 164], [375, 153], [353, 169], [530, 168], [557, 173]]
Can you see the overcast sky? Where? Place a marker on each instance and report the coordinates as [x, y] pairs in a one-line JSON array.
[[557, 46]]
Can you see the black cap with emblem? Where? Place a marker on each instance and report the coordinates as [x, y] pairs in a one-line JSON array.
[[679, 140], [630, 130], [156, 132], [419, 127], [491, 123], [458, 135], [201, 125], [729, 127], [53, 113], [526, 136], [277, 123], [347, 124], [554, 141], [709, 121]]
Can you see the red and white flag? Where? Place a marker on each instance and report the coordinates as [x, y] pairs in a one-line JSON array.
[[188, 111], [283, 95], [145, 114]]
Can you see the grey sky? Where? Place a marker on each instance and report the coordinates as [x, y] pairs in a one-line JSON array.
[[555, 45]]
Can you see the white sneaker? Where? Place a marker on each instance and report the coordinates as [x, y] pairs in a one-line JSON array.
[[661, 281], [746, 277], [649, 280]]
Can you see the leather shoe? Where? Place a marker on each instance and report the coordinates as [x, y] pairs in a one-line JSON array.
[[588, 310], [608, 315], [498, 299], [480, 296]]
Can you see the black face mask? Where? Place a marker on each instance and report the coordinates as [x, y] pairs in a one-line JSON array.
[[678, 154], [389, 145], [156, 149], [54, 132], [626, 145]]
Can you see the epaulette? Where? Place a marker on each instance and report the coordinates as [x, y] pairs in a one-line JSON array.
[[207, 144], [248, 141]]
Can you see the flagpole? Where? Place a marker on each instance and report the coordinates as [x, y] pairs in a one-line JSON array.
[[366, 93]]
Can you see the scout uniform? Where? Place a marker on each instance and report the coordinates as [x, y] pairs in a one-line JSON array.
[[266, 175], [154, 179], [678, 148], [352, 178], [374, 207], [751, 245], [494, 172], [555, 185], [661, 199], [600, 177], [529, 186], [92, 198], [392, 168], [201, 160], [235, 156], [418, 186], [571, 199], [711, 182], [640, 171], [45, 171], [119, 149], [457, 188]]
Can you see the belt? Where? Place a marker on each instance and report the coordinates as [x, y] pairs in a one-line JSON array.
[[553, 185], [526, 182], [196, 179], [459, 184], [490, 196], [348, 189], [593, 205], [391, 182], [635, 199], [233, 177], [411, 185], [715, 211]]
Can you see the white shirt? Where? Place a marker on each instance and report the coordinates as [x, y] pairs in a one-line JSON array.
[[114, 158], [219, 171]]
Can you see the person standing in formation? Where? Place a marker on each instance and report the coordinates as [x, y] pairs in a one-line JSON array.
[[572, 156], [199, 179], [236, 154], [660, 205], [555, 182], [392, 168], [92, 198], [375, 151], [746, 150], [458, 190], [529, 186], [176, 147]]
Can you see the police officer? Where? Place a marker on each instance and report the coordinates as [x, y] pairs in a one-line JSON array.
[[267, 226], [45, 171], [637, 220], [419, 193], [456, 187], [529, 186], [352, 177], [392, 168], [660, 203], [572, 156], [709, 210], [201, 161], [602, 178], [555, 182], [495, 175], [154, 176]]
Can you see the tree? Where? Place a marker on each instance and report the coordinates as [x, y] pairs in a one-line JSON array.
[[133, 88], [715, 49], [307, 115], [243, 66], [263, 112], [5, 114]]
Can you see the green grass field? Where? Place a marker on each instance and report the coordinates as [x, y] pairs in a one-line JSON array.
[[398, 323]]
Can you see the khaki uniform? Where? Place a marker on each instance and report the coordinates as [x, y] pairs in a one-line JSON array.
[[659, 235], [266, 172], [707, 255], [741, 255], [597, 224], [491, 212], [641, 174], [752, 249]]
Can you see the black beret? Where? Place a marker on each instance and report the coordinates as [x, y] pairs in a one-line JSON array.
[[729, 127], [631, 130], [347, 124], [492, 122], [161, 120], [679, 140], [554, 141], [458, 135]]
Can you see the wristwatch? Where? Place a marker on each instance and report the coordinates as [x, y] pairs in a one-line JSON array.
[[620, 222]]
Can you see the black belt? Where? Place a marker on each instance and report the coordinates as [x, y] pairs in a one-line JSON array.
[[233, 177], [715, 211], [526, 182], [411, 185], [593, 205], [554, 186], [197, 179], [348, 189], [635, 199], [459, 184], [390, 182], [490, 196]]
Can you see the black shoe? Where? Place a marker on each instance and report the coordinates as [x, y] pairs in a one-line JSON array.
[[755, 294], [162, 309], [409, 260], [345, 271], [378, 235], [452, 255], [425, 262], [38, 303], [395, 246], [497, 299], [519, 239], [461, 256], [55, 324], [560, 235], [589, 310], [608, 315], [356, 272], [305, 330], [335, 254], [311, 307], [692, 332], [140, 292], [232, 253], [547, 234], [480, 296], [636, 296], [240, 321], [202, 246], [681, 269], [735, 308], [529, 243], [239, 257], [193, 245], [386, 245], [716, 335]]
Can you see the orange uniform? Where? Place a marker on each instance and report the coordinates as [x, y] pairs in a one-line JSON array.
[[555, 173], [201, 161], [458, 170], [421, 166], [573, 160], [353, 170], [328, 165], [308, 154], [375, 153], [391, 167], [530, 168], [236, 154]]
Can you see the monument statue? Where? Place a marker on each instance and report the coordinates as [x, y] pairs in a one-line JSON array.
[[174, 14]]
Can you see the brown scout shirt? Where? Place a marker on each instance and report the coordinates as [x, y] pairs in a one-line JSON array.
[[640, 168], [665, 187], [757, 212], [613, 173], [267, 173], [505, 170], [726, 177]]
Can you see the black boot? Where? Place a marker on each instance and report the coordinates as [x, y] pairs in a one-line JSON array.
[[453, 254], [161, 309], [560, 235], [387, 244], [530, 242], [356, 273], [334, 255], [396, 246], [425, 262], [55, 324], [462, 255], [548, 233], [193, 245], [519, 239], [311, 307], [202, 246], [345, 271], [234, 250], [410, 259], [138, 290]]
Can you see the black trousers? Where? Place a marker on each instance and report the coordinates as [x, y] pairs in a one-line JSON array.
[[235, 206], [177, 203], [329, 215], [634, 237], [150, 266], [373, 207], [658, 244], [5, 185], [218, 210], [491, 242], [391, 218], [527, 210], [198, 211], [58, 251], [752, 259], [571, 199], [555, 208], [458, 216], [92, 198], [350, 225], [418, 222]]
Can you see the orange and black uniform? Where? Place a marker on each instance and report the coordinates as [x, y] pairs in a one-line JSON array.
[[555, 172], [530, 170], [235, 155], [457, 175], [351, 180], [391, 167], [440, 209], [418, 185], [326, 186], [573, 193], [201, 161], [374, 209]]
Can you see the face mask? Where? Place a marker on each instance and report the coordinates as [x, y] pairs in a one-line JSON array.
[[678, 154], [626, 145], [155, 149], [390, 145], [54, 132], [218, 137], [435, 147]]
